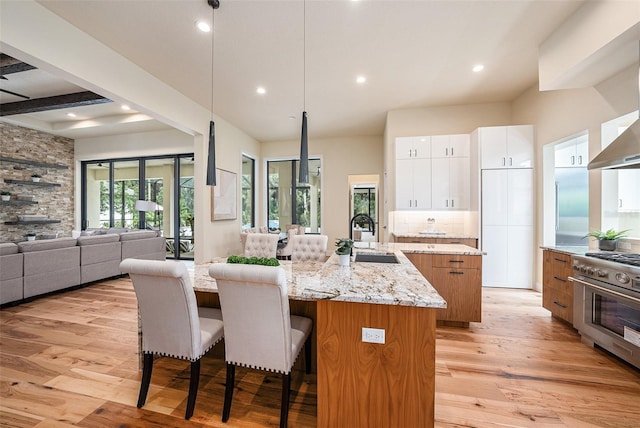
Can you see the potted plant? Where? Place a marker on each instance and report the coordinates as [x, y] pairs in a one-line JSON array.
[[607, 240], [344, 250], [31, 236], [5, 195], [35, 177]]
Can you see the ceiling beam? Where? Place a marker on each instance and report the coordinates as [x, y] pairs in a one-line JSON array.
[[10, 65], [52, 103]]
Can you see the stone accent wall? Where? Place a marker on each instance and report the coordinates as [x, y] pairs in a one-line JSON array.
[[56, 202]]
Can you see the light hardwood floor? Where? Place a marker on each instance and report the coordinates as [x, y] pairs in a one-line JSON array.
[[70, 360]]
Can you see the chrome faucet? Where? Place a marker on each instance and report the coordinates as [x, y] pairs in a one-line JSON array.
[[365, 216]]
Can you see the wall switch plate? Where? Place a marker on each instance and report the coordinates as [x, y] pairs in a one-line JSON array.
[[373, 335]]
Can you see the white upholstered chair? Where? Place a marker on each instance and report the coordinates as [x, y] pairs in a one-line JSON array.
[[309, 247], [261, 245], [285, 252], [259, 331], [172, 324]]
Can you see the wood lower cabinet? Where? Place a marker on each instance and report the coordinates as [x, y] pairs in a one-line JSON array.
[[471, 242], [458, 279], [557, 290]]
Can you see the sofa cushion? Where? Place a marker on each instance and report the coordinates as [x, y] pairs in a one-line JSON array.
[[48, 244], [11, 266], [7, 248], [139, 234], [97, 239]]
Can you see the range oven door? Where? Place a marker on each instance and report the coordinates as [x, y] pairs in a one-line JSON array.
[[608, 318]]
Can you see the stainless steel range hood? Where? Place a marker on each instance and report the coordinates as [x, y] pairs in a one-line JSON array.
[[624, 151]]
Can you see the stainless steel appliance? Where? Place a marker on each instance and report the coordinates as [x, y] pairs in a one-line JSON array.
[[607, 302]]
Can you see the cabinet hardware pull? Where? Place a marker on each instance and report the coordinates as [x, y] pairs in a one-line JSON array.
[[453, 272], [579, 159], [446, 151], [446, 203], [504, 161], [620, 203], [573, 160], [451, 151], [410, 152], [452, 205], [456, 242], [510, 161], [559, 260], [560, 304], [456, 261], [559, 279], [416, 206]]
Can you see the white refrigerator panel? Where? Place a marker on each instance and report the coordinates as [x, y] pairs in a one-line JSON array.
[[495, 192], [495, 262], [520, 191]]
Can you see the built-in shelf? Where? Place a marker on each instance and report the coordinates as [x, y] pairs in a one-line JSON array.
[[31, 183], [33, 163], [32, 222], [18, 202]]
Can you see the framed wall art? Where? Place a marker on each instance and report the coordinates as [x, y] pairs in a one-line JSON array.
[[223, 196]]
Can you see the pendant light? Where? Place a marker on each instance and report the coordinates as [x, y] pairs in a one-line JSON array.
[[211, 158], [303, 175]]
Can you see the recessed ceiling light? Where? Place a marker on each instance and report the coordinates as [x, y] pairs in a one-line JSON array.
[[71, 114], [478, 68], [125, 107], [361, 79], [261, 90], [203, 26]]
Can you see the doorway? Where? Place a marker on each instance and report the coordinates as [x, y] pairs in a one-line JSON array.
[[363, 207]]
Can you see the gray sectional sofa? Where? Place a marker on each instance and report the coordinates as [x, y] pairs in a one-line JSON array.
[[32, 268]]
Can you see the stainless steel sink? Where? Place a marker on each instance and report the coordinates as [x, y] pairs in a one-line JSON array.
[[376, 258]]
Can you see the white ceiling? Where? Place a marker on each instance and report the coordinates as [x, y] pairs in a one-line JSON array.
[[414, 53]]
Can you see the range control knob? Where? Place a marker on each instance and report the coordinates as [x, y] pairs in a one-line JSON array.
[[577, 267], [590, 271], [622, 278], [602, 273]]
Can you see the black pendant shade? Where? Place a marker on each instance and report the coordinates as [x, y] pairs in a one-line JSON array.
[[303, 176], [211, 159]]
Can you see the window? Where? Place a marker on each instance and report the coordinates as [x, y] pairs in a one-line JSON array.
[[620, 195], [248, 192], [291, 202], [111, 190]]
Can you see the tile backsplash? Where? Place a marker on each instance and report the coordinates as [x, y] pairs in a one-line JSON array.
[[451, 222]]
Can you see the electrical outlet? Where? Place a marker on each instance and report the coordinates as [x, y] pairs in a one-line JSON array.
[[373, 335]]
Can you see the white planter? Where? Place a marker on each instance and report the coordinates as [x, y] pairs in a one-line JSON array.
[[35, 179], [6, 197], [344, 259], [31, 238]]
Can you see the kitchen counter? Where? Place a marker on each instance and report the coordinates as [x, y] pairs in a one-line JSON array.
[[433, 235], [569, 250]]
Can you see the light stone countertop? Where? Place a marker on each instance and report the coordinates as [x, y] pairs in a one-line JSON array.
[[379, 283], [433, 235]]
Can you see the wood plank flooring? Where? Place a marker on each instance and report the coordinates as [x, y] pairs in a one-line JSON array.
[[70, 360]]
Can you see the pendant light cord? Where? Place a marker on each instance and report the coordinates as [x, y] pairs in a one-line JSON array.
[[213, 14], [304, 56]]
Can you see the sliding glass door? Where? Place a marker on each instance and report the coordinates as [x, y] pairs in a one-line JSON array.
[[112, 197]]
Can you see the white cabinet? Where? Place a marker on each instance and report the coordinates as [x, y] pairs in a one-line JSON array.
[[573, 153], [506, 146], [507, 227], [628, 193], [449, 146], [450, 172], [413, 147], [413, 184]]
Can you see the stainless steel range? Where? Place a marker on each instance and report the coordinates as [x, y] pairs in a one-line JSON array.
[[607, 302]]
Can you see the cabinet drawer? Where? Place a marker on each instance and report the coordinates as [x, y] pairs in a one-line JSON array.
[[558, 302], [473, 243], [457, 261]]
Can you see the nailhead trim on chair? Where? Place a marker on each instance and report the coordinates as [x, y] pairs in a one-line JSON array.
[[179, 357]]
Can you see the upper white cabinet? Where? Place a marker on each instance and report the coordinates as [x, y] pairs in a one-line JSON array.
[[413, 147], [450, 172], [573, 153], [506, 147], [450, 146], [413, 184]]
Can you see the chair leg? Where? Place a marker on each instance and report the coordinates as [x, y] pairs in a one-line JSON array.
[[284, 405], [307, 355], [147, 368], [193, 388], [228, 391]]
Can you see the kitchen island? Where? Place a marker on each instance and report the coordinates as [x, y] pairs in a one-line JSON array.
[[362, 384]]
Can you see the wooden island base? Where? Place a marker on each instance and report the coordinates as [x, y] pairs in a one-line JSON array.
[[366, 384]]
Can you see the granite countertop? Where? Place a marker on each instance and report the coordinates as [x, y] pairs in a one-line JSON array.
[[572, 251], [380, 283], [433, 235]]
